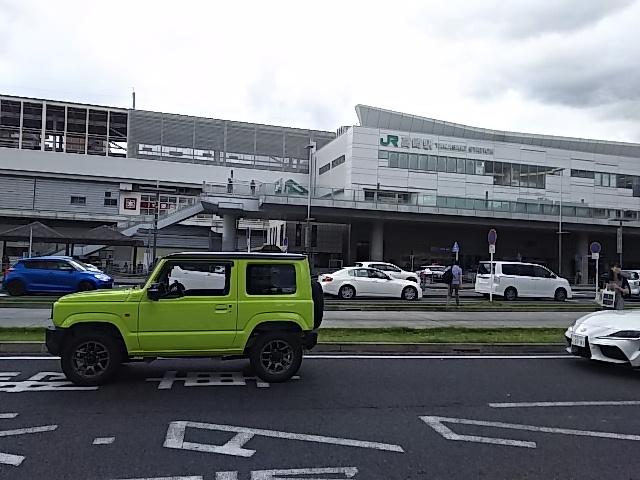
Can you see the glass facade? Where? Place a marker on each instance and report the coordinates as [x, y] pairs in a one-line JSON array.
[[503, 173], [604, 179]]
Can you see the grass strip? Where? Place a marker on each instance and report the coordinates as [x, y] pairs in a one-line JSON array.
[[21, 334], [442, 335], [384, 335]]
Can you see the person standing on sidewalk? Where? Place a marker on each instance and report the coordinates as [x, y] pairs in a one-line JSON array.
[[455, 283]]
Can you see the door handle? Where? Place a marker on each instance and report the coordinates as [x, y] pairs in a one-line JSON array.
[[222, 308]]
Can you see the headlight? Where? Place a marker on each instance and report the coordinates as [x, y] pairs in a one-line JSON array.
[[102, 277], [627, 334]]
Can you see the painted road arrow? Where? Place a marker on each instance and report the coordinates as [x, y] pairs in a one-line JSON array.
[[437, 423], [16, 460]]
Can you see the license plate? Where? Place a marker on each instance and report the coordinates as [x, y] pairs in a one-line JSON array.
[[578, 340]]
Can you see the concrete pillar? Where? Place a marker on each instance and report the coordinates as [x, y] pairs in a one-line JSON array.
[[229, 233], [377, 241], [582, 248]]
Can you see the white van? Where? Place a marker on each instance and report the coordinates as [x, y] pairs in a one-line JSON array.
[[512, 280]]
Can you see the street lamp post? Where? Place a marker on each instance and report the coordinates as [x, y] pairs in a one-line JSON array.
[[559, 171], [620, 221], [312, 150]]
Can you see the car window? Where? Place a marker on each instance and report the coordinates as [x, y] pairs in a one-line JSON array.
[[32, 265], [510, 269], [375, 274], [631, 275], [271, 279], [361, 272], [541, 272], [197, 278], [385, 267], [358, 264]]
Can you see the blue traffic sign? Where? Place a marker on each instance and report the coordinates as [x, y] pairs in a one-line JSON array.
[[455, 248], [595, 247], [492, 238]]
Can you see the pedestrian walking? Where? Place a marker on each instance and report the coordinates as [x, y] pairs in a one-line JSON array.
[[619, 284], [453, 278]]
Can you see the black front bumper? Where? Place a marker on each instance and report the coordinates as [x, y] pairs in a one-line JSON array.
[[54, 337], [310, 339]]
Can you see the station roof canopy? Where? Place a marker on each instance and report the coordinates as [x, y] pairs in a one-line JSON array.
[[42, 233], [386, 119]]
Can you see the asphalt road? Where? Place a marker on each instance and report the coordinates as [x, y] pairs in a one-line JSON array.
[[39, 317], [374, 418]]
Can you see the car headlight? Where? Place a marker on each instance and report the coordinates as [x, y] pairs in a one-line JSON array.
[[627, 334], [102, 277]]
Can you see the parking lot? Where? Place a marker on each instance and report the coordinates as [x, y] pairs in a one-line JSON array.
[[342, 417]]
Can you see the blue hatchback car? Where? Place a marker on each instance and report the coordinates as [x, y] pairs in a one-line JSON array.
[[53, 275]]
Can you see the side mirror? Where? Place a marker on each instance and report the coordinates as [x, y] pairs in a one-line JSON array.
[[156, 291], [553, 275]]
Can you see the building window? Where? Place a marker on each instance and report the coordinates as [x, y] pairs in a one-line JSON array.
[[78, 200], [271, 279], [413, 161], [109, 200], [338, 161], [393, 160], [324, 169]]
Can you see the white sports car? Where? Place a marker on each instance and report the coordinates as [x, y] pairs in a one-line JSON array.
[[609, 336], [352, 282]]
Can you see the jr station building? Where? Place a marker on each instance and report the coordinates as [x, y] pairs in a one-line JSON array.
[[95, 181]]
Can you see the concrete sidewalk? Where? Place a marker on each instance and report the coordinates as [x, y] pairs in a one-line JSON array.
[[26, 317]]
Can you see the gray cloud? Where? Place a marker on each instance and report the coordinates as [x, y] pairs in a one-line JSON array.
[[518, 19]]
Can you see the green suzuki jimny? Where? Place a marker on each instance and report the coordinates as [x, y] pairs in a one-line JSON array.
[[264, 306]]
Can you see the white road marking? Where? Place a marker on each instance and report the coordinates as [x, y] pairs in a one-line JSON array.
[[16, 460], [104, 440], [192, 477], [206, 379], [6, 376], [25, 431], [566, 404], [176, 433], [439, 357], [27, 357], [437, 424], [42, 382], [371, 357], [446, 432], [342, 472]]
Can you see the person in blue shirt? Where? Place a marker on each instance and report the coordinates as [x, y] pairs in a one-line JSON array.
[[456, 283]]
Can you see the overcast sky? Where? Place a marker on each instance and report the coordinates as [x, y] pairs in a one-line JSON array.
[[560, 67]]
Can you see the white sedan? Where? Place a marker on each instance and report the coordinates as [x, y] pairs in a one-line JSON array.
[[350, 282], [391, 270], [609, 336]]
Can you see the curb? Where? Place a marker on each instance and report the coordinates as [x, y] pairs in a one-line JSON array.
[[371, 348], [376, 308]]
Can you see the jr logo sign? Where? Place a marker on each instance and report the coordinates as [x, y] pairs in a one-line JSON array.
[[391, 140]]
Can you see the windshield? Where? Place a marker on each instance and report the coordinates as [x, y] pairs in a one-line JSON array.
[[484, 268], [78, 265]]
